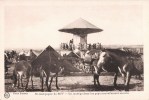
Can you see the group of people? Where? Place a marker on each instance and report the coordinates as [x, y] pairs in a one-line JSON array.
[[94, 46], [10, 54], [89, 46], [9, 57], [71, 46], [67, 46], [64, 46], [13, 57]]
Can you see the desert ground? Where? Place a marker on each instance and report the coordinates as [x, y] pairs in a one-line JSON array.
[[76, 83]]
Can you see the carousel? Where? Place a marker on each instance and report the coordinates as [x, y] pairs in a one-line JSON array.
[[80, 30]]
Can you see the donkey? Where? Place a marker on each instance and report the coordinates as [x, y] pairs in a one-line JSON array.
[[114, 60], [23, 69], [47, 70], [48, 63]]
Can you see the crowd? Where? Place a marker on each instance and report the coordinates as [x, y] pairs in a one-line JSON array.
[[9, 58], [68, 46], [10, 54], [71, 46]]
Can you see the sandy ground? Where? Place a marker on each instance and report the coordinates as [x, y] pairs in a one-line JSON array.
[[76, 84]]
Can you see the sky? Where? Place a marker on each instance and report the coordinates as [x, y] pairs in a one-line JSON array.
[[36, 26]]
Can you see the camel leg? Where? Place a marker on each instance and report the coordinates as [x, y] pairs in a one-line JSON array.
[[124, 75], [49, 89], [27, 83], [31, 75], [94, 79], [42, 81], [32, 82], [47, 79], [115, 79], [57, 82], [18, 81], [28, 75], [14, 80], [98, 80], [128, 76], [96, 76], [21, 81], [92, 68]]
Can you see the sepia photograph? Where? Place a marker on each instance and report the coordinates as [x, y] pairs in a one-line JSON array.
[[73, 47]]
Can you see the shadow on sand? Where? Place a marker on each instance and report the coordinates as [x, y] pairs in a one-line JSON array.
[[80, 87], [33, 90]]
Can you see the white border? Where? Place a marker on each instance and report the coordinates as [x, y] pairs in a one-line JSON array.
[[137, 95]]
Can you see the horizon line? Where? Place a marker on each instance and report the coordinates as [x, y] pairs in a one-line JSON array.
[[59, 47]]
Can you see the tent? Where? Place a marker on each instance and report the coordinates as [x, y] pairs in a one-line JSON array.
[[72, 54], [49, 55]]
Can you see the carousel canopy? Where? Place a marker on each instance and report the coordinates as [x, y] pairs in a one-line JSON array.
[[80, 27]]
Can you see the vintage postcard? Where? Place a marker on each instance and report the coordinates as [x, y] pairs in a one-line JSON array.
[[66, 49]]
